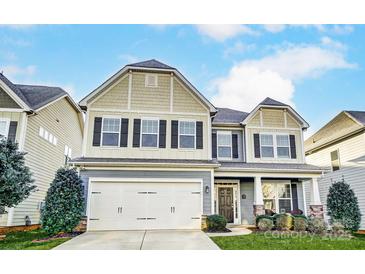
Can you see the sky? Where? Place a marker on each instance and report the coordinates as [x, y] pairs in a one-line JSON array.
[[318, 69]]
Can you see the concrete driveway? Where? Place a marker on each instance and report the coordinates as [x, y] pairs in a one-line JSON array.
[[141, 240]]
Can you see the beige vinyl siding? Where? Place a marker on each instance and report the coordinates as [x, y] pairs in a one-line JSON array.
[[291, 122], [6, 101], [273, 118], [152, 153], [185, 101], [256, 120], [116, 97], [14, 116], [351, 170], [44, 158], [150, 98]]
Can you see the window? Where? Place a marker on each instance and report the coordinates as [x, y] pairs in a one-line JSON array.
[[49, 137], [68, 154], [4, 127], [110, 132], [151, 80], [46, 135], [149, 132], [335, 160], [267, 145], [187, 134], [277, 197], [282, 146], [224, 145]]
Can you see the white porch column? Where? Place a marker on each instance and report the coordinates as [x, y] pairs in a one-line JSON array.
[[258, 204], [315, 205]]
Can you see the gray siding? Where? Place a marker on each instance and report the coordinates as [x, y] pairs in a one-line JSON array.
[[204, 175], [241, 154], [6, 101], [247, 204]]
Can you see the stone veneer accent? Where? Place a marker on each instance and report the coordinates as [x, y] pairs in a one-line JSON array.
[[316, 211], [258, 210]]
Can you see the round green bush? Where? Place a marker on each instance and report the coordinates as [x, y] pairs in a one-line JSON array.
[[338, 228], [260, 217], [300, 223], [216, 223], [283, 221], [265, 224], [317, 225]]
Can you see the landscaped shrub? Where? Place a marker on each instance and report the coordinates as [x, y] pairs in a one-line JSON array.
[[338, 228], [64, 204], [259, 217], [283, 221], [265, 224], [342, 205], [216, 223], [317, 225], [300, 223]]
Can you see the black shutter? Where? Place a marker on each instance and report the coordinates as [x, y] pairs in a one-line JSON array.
[[294, 193], [214, 145], [136, 132], [174, 133], [235, 146], [199, 135], [97, 131], [293, 148], [256, 142], [124, 132], [12, 130], [162, 134]]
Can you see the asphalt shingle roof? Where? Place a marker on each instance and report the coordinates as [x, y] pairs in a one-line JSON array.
[[271, 102], [135, 160], [358, 115], [153, 63], [279, 166], [34, 96], [229, 116]]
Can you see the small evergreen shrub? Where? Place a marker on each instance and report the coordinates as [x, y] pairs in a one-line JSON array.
[[216, 223], [317, 225], [283, 221], [265, 224], [260, 217], [300, 223], [338, 228], [64, 204], [343, 207]]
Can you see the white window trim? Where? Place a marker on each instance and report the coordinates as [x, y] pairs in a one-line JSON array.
[[275, 147], [102, 131], [276, 199], [158, 132], [178, 131], [338, 159], [224, 133], [146, 82], [7, 125]]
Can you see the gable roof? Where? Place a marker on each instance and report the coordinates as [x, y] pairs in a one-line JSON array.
[[229, 116], [271, 103], [35, 97], [359, 116], [149, 65]]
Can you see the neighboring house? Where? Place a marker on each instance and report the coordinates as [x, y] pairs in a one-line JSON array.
[[48, 125], [158, 155], [339, 147]]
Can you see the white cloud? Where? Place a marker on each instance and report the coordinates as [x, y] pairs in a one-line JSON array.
[[238, 48], [251, 81], [274, 28], [223, 32], [14, 71], [129, 58], [342, 29], [18, 26], [14, 42], [330, 43]]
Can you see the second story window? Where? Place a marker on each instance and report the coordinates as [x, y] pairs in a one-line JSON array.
[[187, 134], [282, 146], [335, 160], [224, 145], [110, 131], [149, 133], [267, 145]]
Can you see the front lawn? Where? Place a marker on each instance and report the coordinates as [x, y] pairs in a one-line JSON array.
[[260, 241], [23, 240]]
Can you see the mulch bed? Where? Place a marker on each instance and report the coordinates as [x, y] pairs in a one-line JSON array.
[[58, 236], [219, 231]]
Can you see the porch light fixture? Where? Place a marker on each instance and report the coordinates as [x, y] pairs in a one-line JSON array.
[[206, 189]]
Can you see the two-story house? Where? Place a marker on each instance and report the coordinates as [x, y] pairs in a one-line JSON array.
[[339, 148], [158, 155], [48, 125]]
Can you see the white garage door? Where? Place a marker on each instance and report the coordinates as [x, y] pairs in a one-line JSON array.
[[143, 205]]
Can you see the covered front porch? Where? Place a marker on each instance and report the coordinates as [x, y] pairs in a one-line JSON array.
[[240, 197]]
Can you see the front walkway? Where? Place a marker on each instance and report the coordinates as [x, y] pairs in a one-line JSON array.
[[141, 240]]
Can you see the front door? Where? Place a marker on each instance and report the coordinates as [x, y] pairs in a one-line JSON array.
[[225, 197]]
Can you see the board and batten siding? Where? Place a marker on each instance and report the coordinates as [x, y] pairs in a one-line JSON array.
[[6, 101], [351, 170], [16, 117], [203, 175], [240, 143], [44, 158]]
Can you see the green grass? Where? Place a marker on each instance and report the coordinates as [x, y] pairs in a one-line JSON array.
[[259, 241], [23, 241]]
